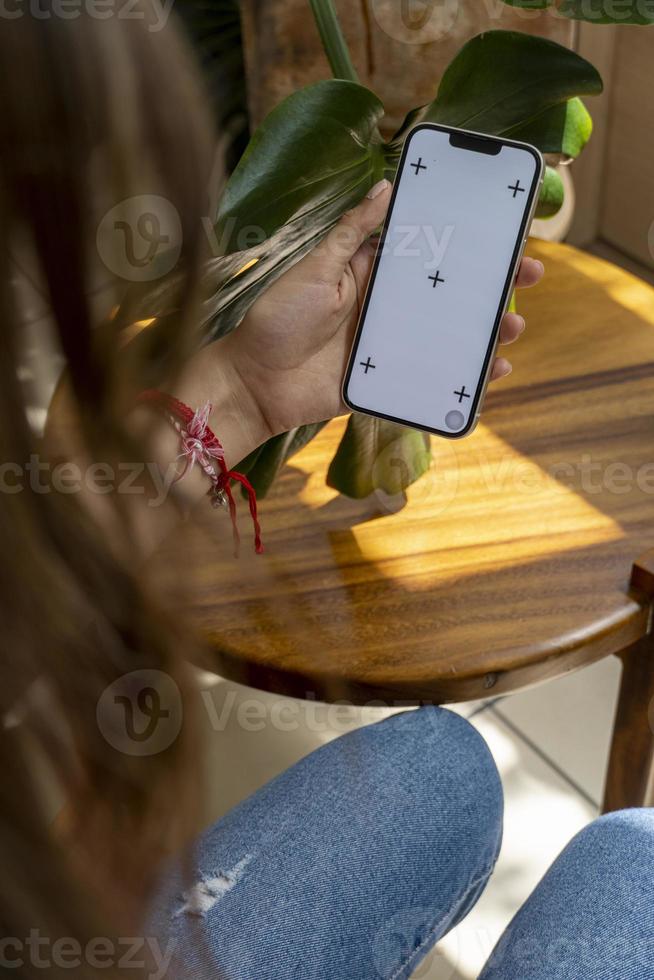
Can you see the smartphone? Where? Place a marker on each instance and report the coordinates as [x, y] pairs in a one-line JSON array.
[[442, 278]]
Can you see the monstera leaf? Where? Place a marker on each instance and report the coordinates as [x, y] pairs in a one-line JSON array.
[[595, 11], [319, 148], [503, 79]]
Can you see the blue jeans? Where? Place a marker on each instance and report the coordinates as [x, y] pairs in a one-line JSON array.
[[592, 916], [357, 860]]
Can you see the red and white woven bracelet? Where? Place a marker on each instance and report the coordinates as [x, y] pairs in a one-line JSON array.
[[200, 445]]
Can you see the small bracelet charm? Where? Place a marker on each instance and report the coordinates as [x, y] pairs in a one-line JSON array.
[[200, 445]]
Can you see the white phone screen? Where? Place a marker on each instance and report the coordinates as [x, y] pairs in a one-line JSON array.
[[441, 278]]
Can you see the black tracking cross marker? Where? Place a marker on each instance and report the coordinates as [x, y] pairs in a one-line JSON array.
[[462, 394], [516, 188], [366, 365], [436, 279], [418, 166]]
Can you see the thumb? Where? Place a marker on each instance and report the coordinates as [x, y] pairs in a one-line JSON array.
[[329, 259]]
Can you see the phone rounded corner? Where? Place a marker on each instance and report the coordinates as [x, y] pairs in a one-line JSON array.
[[416, 128], [468, 428], [533, 152], [538, 157], [540, 160], [419, 127], [471, 426]]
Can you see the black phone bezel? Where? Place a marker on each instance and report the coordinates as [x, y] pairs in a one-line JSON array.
[[472, 418]]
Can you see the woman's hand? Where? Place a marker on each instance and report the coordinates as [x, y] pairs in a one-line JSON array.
[[291, 349]]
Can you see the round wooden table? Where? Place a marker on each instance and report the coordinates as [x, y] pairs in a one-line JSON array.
[[511, 562]]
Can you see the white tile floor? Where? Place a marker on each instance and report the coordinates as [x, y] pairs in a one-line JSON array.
[[550, 744]]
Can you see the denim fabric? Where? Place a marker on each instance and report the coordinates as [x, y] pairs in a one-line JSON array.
[[348, 866], [592, 916]]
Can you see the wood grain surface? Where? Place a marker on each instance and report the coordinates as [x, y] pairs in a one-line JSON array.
[[510, 563]]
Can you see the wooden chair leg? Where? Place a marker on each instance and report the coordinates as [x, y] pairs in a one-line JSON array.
[[630, 776]]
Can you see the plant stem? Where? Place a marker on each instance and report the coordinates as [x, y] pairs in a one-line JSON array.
[[333, 41]]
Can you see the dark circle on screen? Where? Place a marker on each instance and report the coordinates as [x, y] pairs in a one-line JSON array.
[[454, 419]]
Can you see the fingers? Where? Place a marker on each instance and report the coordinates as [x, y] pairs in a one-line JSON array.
[[329, 259], [501, 368], [361, 265], [512, 326], [530, 272]]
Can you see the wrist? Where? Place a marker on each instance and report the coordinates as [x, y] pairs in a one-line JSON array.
[[212, 376]]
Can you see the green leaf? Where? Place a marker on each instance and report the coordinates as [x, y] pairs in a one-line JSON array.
[[315, 155], [596, 11], [378, 455], [263, 465], [333, 41], [397, 140], [503, 79], [564, 128], [551, 194]]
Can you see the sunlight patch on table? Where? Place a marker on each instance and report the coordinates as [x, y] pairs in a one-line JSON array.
[[630, 292], [482, 501]]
